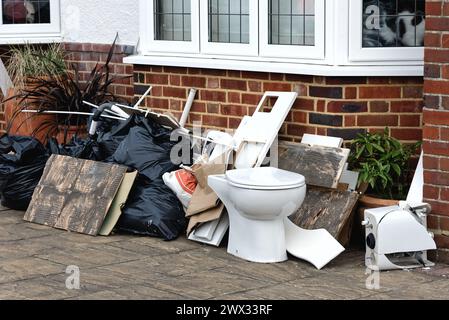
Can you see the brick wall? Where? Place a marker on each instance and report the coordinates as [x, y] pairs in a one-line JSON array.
[[332, 106], [436, 122], [86, 56]]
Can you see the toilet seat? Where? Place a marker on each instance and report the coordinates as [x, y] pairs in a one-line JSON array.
[[264, 178]]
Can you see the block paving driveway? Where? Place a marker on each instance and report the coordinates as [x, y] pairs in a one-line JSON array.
[[34, 261]]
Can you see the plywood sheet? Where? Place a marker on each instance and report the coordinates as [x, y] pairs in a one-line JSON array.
[[74, 194], [321, 166]]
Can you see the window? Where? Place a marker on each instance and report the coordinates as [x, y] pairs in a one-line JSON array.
[[29, 18], [292, 29], [229, 27], [173, 26], [387, 29], [318, 37]]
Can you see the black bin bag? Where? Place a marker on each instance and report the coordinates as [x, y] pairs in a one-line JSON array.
[[111, 133], [146, 148], [86, 149], [22, 163], [153, 210]]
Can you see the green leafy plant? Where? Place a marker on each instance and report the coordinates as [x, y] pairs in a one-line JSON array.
[[382, 162], [32, 61]]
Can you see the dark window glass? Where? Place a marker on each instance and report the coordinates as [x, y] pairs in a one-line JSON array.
[[172, 20], [26, 12]]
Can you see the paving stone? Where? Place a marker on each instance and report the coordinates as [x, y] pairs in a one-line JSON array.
[[22, 248], [179, 245], [27, 268], [143, 292], [100, 295]]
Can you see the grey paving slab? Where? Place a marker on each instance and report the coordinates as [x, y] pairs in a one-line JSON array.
[[27, 268]]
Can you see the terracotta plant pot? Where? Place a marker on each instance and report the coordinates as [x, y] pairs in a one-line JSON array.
[[24, 124], [80, 131]]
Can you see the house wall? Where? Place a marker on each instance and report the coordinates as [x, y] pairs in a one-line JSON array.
[[98, 21], [333, 106], [436, 122]]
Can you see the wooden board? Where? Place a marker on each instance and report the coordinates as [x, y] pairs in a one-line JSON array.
[[321, 166], [74, 194], [326, 209]]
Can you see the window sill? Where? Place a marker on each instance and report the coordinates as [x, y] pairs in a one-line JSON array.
[[234, 63], [32, 39]]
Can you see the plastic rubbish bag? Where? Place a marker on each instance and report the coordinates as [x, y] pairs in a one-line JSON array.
[[85, 149], [183, 183], [111, 134], [153, 210], [22, 163], [146, 148]]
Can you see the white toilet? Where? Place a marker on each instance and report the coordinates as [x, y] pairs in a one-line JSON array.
[[257, 201]]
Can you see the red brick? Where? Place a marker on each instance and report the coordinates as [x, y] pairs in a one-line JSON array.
[[213, 108], [252, 99], [432, 102], [379, 106], [345, 80], [433, 8], [436, 148], [296, 130], [255, 75], [234, 97], [432, 71], [406, 134], [445, 41], [406, 106], [277, 86], [304, 104], [444, 194], [439, 208], [175, 80], [444, 133], [432, 39], [437, 178], [234, 84], [142, 68], [444, 223], [350, 93], [175, 105], [379, 92], [436, 117], [299, 78], [431, 192], [234, 74], [213, 83], [277, 76], [178, 70], [376, 121], [431, 163], [195, 82], [157, 103], [213, 72], [442, 241], [433, 222], [410, 120], [175, 92], [234, 110], [409, 92], [234, 123], [300, 117], [215, 96], [156, 79], [194, 71], [437, 23], [350, 121], [378, 80], [431, 133], [254, 86], [216, 121], [320, 106], [198, 107], [444, 164], [438, 56]]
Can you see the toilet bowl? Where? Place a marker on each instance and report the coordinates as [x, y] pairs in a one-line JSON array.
[[257, 201]]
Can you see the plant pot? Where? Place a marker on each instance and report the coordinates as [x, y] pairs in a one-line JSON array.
[[72, 130], [366, 202], [25, 124]]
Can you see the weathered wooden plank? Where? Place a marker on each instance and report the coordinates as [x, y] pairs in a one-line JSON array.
[[75, 194], [321, 166], [326, 209]]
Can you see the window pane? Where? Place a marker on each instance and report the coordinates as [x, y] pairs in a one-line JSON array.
[[229, 21], [292, 22], [172, 20], [393, 23], [26, 12]]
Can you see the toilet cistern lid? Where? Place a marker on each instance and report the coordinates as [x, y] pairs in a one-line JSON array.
[[265, 177]]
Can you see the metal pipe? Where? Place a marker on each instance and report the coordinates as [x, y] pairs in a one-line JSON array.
[[115, 111], [187, 108]]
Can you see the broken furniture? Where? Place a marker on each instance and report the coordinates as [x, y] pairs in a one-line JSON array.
[[77, 195], [257, 201]]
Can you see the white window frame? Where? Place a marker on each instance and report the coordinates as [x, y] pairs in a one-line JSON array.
[[316, 51], [9, 32], [148, 32], [235, 49], [401, 55]]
